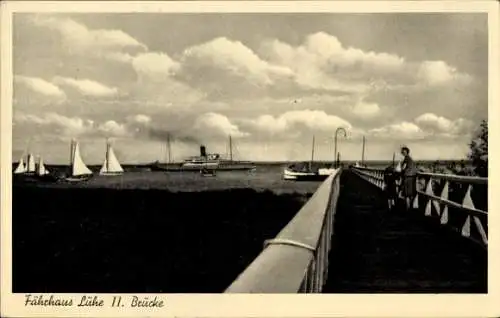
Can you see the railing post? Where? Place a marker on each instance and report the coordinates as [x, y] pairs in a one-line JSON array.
[[429, 191], [442, 202], [444, 196]]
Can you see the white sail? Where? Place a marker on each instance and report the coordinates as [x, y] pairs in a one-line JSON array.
[[111, 164], [41, 168], [21, 167], [31, 163], [79, 167], [104, 167]]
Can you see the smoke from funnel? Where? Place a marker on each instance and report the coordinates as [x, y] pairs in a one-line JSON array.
[[164, 135]]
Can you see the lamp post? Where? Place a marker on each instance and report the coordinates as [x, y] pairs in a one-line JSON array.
[[340, 129]]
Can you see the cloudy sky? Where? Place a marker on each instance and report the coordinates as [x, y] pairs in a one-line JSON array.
[[271, 81]]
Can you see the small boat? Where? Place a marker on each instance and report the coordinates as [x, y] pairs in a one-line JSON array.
[[306, 173], [291, 173], [31, 172], [78, 170], [30, 168], [326, 171], [43, 174], [111, 165], [208, 172], [21, 167]]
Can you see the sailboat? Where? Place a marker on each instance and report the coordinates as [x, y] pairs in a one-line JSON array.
[[78, 170], [111, 165], [21, 167], [304, 173], [31, 166], [43, 174], [25, 171]]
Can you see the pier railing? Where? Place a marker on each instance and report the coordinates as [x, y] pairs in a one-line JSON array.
[[457, 201], [296, 260]]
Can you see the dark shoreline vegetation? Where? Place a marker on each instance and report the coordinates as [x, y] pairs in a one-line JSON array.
[[76, 240]]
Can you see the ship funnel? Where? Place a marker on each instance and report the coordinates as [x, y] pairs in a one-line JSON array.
[[203, 151]]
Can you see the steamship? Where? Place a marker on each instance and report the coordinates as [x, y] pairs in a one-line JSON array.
[[210, 161]]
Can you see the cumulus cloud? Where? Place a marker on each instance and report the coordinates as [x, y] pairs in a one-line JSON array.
[[439, 124], [217, 125], [232, 57], [87, 87], [427, 125], [292, 121], [40, 86], [78, 39], [57, 124], [140, 119], [228, 87], [402, 131], [322, 62], [439, 73], [112, 128], [224, 68], [155, 64]]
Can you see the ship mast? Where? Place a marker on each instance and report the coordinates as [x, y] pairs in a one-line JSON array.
[[312, 156], [107, 154], [230, 149], [168, 148], [363, 152]]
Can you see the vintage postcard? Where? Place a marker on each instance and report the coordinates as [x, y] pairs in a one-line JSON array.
[[249, 159]]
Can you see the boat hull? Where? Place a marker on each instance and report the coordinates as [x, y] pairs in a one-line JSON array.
[[303, 176], [196, 168], [80, 178], [111, 174]]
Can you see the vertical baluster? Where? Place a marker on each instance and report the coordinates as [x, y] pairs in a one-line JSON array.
[[467, 202], [428, 190], [444, 195]]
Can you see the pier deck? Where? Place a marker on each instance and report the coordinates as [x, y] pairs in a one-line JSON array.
[[377, 250]]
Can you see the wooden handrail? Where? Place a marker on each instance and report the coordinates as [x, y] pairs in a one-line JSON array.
[[443, 176], [440, 205], [296, 260]]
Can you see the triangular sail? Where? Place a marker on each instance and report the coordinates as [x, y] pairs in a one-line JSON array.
[[21, 167], [78, 166], [111, 163], [31, 163], [41, 168], [104, 167]]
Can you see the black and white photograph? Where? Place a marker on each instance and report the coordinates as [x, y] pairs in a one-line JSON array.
[[301, 152]]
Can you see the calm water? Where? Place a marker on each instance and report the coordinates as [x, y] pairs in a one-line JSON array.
[[264, 178], [148, 231]]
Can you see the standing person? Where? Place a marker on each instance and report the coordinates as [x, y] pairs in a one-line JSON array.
[[409, 174], [390, 186]]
